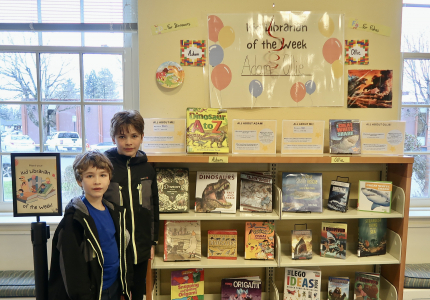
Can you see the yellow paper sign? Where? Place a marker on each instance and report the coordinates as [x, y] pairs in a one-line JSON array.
[[218, 159], [382, 137], [370, 27], [254, 136], [340, 160], [172, 26], [302, 137]]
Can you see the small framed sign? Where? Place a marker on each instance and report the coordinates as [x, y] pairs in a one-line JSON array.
[[36, 184]]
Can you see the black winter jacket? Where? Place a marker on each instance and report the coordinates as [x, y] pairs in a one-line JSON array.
[[134, 186], [77, 258]]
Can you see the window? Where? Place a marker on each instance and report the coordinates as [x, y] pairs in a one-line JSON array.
[[66, 67]]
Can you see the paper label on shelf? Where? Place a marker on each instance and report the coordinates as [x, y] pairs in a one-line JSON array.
[[218, 159], [340, 160]]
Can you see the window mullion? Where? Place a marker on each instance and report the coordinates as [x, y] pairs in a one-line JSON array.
[[81, 81], [39, 101]]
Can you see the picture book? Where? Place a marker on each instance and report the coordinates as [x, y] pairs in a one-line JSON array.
[[333, 240], [255, 192], [345, 136], [302, 192], [260, 240], [222, 244], [366, 286], [338, 288], [187, 284], [372, 237], [173, 189], [339, 195], [374, 196], [246, 288], [302, 284], [301, 244], [216, 192], [182, 240], [207, 130]]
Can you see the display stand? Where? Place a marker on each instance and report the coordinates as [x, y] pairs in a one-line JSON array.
[[39, 239]]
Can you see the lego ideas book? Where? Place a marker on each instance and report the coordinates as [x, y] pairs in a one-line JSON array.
[[372, 237], [302, 192], [302, 284]]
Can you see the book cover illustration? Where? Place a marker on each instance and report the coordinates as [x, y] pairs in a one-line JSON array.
[[356, 52], [301, 244], [345, 136], [374, 196], [366, 286], [339, 195], [207, 130], [260, 240], [302, 192], [338, 288], [173, 189], [248, 288], [255, 192], [372, 237], [222, 244], [182, 240], [187, 284], [333, 240], [216, 192], [302, 284]]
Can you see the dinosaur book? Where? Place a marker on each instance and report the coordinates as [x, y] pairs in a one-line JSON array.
[[246, 288], [338, 288], [339, 196], [374, 196], [259, 240], [345, 136], [372, 237], [187, 284], [255, 192], [302, 284], [173, 189], [367, 286], [207, 130], [333, 240], [182, 240], [222, 244], [216, 192], [301, 244], [302, 192]]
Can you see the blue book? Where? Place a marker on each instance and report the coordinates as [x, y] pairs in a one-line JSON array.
[[302, 192]]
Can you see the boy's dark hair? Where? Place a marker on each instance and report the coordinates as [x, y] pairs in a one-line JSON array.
[[21, 190], [42, 184], [359, 285], [121, 121], [88, 159]]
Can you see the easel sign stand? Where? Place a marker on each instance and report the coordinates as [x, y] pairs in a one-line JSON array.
[[39, 239]]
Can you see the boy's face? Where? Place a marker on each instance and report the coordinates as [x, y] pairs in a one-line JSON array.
[[95, 182], [128, 141]]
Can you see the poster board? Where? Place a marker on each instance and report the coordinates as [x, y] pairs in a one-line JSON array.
[[382, 137], [164, 136], [302, 137], [254, 136]]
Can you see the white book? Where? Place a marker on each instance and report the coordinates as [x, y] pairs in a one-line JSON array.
[[302, 284]]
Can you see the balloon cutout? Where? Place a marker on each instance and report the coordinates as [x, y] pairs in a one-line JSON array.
[[337, 69], [221, 76], [214, 25], [310, 87], [226, 36], [332, 50], [298, 91], [255, 88], [216, 55], [326, 25]]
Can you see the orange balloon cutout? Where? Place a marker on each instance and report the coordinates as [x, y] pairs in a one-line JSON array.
[[332, 50], [221, 76], [214, 26], [298, 91]]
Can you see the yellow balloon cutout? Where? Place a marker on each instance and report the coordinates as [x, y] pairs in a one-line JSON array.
[[337, 69], [326, 25], [226, 36]]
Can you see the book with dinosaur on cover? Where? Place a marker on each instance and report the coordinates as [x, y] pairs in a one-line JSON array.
[[260, 240], [172, 186], [302, 284], [302, 192], [301, 243], [222, 244], [182, 240], [207, 130], [372, 238], [187, 284], [242, 288], [216, 192], [255, 192]]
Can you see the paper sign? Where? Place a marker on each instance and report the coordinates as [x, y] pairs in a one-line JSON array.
[[164, 136], [193, 53], [370, 27], [302, 137], [172, 26], [340, 160], [382, 137], [254, 136], [356, 52], [218, 159]]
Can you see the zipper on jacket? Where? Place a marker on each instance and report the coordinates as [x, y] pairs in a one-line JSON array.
[[132, 211], [139, 187], [120, 196], [125, 254]]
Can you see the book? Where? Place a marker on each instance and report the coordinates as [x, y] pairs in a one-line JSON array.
[[255, 192], [366, 286], [339, 195], [374, 196], [345, 136], [260, 240], [187, 284], [207, 130], [333, 240], [372, 237], [216, 192], [338, 288], [301, 243], [182, 240], [243, 288], [173, 186], [302, 192], [302, 284], [222, 244]]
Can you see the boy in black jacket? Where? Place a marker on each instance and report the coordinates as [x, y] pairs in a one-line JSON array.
[[134, 187], [88, 249]]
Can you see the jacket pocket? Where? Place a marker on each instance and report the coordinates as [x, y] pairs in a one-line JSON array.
[[114, 194], [145, 193]]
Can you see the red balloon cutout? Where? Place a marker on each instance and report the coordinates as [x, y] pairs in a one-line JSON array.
[[298, 91], [221, 76], [332, 50], [214, 26]]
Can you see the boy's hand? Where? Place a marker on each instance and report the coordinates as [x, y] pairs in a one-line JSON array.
[[152, 252]]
